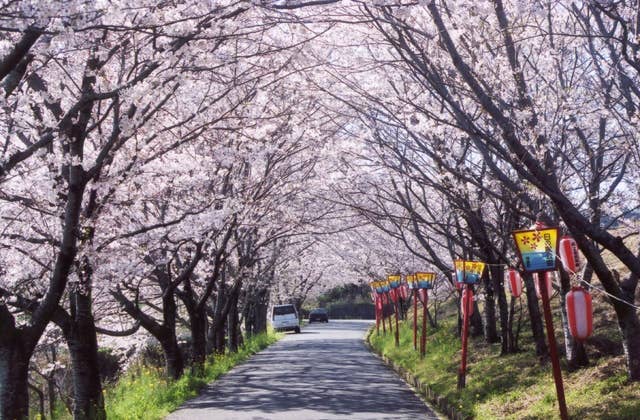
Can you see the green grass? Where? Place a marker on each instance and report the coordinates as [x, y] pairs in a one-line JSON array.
[[146, 394], [514, 386]]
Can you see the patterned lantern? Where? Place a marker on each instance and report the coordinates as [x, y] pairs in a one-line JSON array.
[[412, 283], [548, 277], [569, 254], [394, 280], [425, 280], [468, 272], [515, 282], [579, 312], [467, 298]]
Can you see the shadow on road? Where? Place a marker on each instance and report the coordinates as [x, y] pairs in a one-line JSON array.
[[327, 370]]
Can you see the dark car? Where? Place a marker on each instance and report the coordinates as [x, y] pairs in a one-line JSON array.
[[318, 315]]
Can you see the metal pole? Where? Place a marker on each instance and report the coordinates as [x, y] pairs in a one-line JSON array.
[[415, 319], [553, 350], [462, 375]]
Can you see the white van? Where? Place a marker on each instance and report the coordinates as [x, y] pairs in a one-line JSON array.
[[285, 318]]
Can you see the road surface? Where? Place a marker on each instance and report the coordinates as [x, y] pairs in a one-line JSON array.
[[325, 372]]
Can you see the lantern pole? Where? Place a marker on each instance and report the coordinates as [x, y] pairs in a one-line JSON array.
[[395, 308], [465, 332], [389, 317], [377, 314], [555, 362], [423, 337], [415, 318], [384, 325]]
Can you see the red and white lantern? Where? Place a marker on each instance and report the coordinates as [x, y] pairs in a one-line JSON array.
[[379, 302], [515, 282], [424, 296], [548, 277], [385, 299], [404, 291], [580, 313], [394, 295], [466, 302], [569, 254], [537, 225]]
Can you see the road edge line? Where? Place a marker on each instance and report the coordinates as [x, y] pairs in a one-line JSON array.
[[424, 391]]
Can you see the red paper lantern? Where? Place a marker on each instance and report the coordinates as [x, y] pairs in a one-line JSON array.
[[404, 291], [538, 226], [515, 282], [548, 276], [379, 302], [569, 254], [394, 295], [424, 296], [580, 313], [467, 298]]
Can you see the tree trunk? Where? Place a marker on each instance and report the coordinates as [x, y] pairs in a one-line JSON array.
[[630, 329], [218, 323], [211, 331], [261, 312], [249, 313], [475, 322], [198, 325], [233, 323], [83, 348], [220, 342], [14, 374], [490, 331], [173, 360], [542, 350], [506, 335], [14, 369]]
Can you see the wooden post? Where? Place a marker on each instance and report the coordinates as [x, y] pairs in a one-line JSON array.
[[384, 326], [462, 375], [553, 350], [423, 337], [395, 308], [378, 313], [415, 319]]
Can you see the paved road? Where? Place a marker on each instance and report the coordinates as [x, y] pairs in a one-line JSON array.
[[326, 372]]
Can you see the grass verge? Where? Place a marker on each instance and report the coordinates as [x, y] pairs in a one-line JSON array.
[[514, 386], [145, 393]]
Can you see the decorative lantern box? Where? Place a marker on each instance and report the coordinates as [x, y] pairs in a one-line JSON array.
[[425, 280], [468, 272]]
